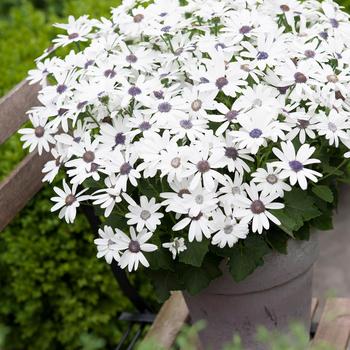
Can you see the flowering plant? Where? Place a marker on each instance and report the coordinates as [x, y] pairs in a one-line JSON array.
[[199, 130]]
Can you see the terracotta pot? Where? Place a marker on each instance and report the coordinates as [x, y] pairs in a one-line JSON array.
[[274, 295]]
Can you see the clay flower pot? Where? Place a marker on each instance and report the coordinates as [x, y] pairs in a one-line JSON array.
[[276, 294]]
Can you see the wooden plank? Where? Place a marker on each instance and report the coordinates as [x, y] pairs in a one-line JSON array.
[[334, 326], [169, 321], [23, 183], [13, 108]]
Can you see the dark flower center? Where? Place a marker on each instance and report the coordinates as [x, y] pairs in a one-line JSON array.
[[300, 78], [303, 124], [134, 247], [332, 78], [284, 8], [221, 82], [62, 111], [204, 80], [257, 207], [231, 152], [89, 156], [73, 36], [158, 95], [125, 169], [228, 229], [203, 166], [199, 199], [134, 91], [110, 73], [94, 167], [164, 107], [332, 127], [145, 126], [70, 199], [220, 46], [272, 179], [255, 133], [89, 63], [262, 55], [310, 53], [182, 192], [245, 67], [196, 218], [283, 89], [334, 23], [324, 35], [145, 215], [131, 58], [138, 18], [61, 88], [166, 29], [245, 29], [339, 96], [81, 105], [119, 139], [231, 115], [186, 124], [196, 105], [175, 162], [296, 166], [39, 131]]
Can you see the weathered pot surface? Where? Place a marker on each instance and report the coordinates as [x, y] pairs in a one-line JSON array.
[[274, 295]]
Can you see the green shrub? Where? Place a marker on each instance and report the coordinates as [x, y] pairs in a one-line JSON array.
[[54, 293]]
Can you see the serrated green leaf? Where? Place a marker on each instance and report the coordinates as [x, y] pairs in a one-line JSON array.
[[323, 192], [195, 253]]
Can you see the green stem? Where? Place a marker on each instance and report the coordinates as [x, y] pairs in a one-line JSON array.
[[336, 169]]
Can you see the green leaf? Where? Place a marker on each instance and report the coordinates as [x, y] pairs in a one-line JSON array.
[[195, 279], [247, 256], [278, 240], [324, 222], [195, 253], [324, 192], [160, 259]]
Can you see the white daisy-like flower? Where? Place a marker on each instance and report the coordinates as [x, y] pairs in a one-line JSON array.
[[133, 248], [227, 231], [107, 244], [176, 246], [292, 164], [145, 214], [256, 207], [268, 181], [68, 201]]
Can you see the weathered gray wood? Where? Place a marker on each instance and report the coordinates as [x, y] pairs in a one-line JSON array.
[[334, 326], [13, 108], [23, 183]]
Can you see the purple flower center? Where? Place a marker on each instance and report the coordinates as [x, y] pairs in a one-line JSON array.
[[300, 78], [282, 89], [73, 36], [119, 139], [255, 133], [158, 94], [163, 14], [89, 63], [272, 179], [284, 8], [334, 23], [231, 115], [145, 126], [164, 107], [178, 51], [231, 152], [94, 167], [257, 207], [245, 29], [203, 166], [303, 124], [110, 73], [39, 131], [221, 82], [134, 247], [262, 55], [220, 46], [134, 91], [81, 105], [175, 162], [182, 192], [138, 18], [310, 53], [324, 35], [166, 29], [228, 229], [186, 124], [61, 88], [296, 166], [204, 80], [125, 169], [89, 156], [332, 127], [131, 58], [70, 199], [145, 215]]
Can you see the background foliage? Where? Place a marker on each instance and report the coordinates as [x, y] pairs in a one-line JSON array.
[[54, 293]]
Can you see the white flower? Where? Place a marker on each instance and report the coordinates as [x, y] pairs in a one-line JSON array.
[[176, 246], [134, 247], [145, 214], [293, 164], [107, 244], [68, 201], [255, 208], [269, 182], [227, 230]]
